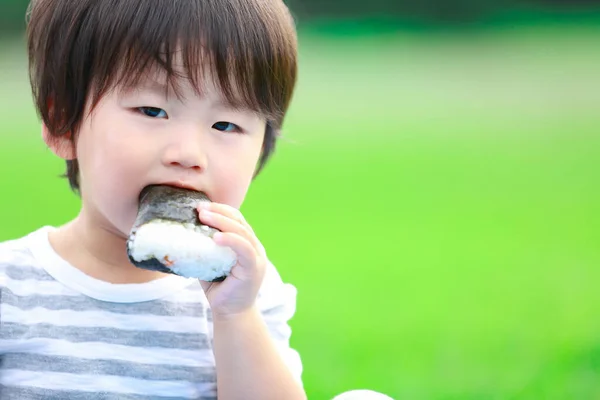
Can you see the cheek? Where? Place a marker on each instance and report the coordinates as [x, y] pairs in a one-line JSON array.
[[112, 164], [235, 177], [112, 151]]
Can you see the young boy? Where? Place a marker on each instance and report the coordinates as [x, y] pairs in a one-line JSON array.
[[131, 93]]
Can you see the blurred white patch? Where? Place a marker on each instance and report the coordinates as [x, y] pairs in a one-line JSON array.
[[362, 394]]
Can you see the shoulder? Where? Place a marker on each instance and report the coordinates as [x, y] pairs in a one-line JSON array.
[[15, 251], [277, 303], [275, 293], [18, 252], [273, 281]]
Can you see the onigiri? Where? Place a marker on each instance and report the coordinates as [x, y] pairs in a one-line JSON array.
[[167, 236]]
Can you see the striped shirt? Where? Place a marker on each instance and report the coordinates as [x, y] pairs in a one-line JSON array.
[[65, 335]]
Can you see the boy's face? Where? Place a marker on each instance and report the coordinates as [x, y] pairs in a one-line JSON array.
[[142, 136]]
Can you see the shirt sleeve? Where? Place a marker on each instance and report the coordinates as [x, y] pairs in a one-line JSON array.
[[277, 303]]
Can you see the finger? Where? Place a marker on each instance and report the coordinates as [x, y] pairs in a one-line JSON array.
[[226, 210], [223, 223], [236, 215], [226, 224], [246, 253]]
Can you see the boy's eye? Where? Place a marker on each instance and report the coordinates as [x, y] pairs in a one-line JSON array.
[[153, 112], [227, 127]]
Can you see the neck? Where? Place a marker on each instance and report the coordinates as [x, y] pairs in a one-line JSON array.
[[99, 251]]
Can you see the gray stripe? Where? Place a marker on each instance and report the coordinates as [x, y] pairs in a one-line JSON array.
[[84, 303], [20, 273], [20, 393], [72, 365], [172, 340]]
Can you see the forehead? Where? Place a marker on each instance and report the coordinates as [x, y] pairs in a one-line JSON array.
[[257, 77], [185, 84]]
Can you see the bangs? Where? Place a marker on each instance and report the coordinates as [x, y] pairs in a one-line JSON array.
[[245, 47], [231, 42]]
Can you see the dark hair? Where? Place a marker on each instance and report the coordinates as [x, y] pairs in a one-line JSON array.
[[79, 50]]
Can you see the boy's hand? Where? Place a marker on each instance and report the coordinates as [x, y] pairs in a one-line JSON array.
[[238, 292]]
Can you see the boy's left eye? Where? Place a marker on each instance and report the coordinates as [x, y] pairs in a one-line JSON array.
[[227, 127]]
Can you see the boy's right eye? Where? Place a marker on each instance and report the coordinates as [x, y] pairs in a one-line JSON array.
[[153, 112]]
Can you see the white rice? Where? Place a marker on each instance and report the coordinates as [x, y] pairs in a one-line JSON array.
[[187, 247]]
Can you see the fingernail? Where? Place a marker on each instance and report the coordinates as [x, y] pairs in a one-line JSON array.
[[203, 204]]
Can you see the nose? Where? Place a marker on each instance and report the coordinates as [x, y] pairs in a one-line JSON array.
[[185, 150]]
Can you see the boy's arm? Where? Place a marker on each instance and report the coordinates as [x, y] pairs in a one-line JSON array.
[[252, 352]]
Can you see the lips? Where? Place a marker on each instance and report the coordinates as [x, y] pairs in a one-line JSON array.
[[181, 184]]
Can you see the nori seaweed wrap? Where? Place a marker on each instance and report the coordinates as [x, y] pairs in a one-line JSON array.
[[167, 236]]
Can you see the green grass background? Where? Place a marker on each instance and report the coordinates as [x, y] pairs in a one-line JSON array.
[[435, 200]]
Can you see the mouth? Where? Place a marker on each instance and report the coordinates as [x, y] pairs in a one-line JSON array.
[[179, 185]]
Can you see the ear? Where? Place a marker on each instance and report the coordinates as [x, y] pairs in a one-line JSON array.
[[62, 146]]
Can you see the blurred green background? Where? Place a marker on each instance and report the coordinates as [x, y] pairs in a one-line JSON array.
[[435, 197]]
